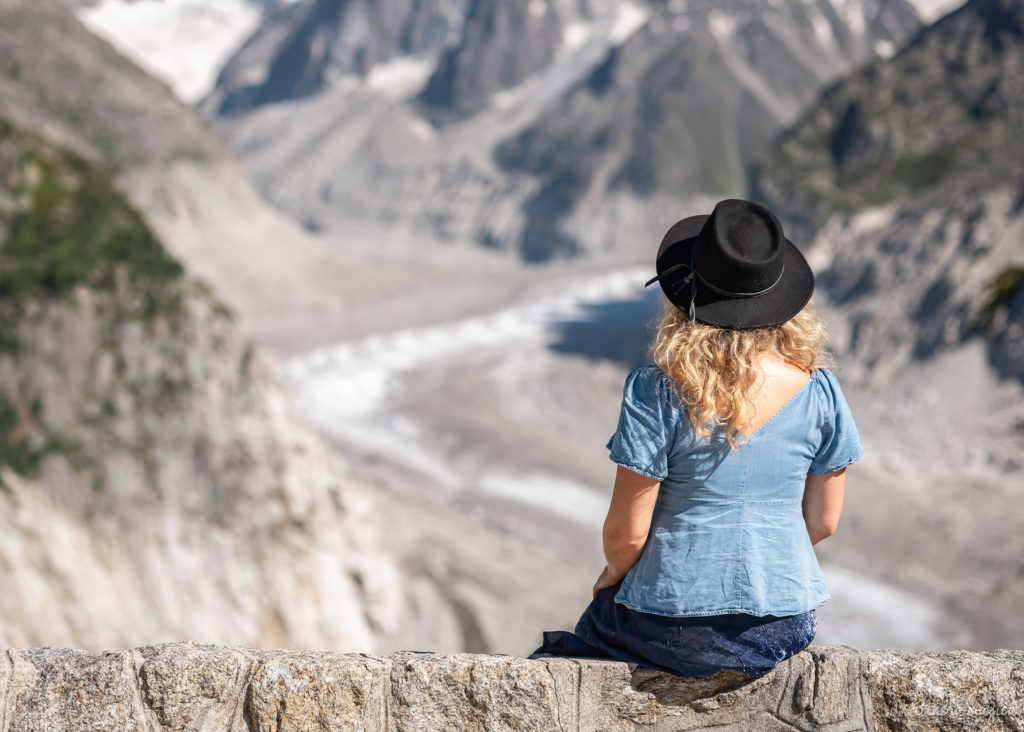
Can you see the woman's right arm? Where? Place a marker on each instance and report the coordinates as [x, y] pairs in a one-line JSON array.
[[627, 525], [823, 502]]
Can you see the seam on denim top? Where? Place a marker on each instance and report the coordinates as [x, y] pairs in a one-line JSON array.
[[826, 413], [830, 413], [741, 516]]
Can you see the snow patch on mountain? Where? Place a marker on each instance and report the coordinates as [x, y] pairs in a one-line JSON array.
[[574, 35], [823, 28], [182, 42], [722, 25], [399, 77], [932, 10], [629, 19]]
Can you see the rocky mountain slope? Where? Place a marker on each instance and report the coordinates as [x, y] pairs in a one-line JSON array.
[[475, 48], [306, 47], [911, 175], [905, 185], [685, 106], [541, 128], [59, 79], [181, 42], [155, 480]]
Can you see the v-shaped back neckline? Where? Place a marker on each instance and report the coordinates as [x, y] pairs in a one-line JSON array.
[[780, 410]]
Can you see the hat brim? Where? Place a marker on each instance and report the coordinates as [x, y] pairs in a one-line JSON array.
[[787, 298]]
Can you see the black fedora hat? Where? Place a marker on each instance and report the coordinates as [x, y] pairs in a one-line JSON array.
[[733, 268]]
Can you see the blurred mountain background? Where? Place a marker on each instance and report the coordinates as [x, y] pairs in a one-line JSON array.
[[315, 315]]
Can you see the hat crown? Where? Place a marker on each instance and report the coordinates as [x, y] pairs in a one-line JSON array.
[[733, 268], [739, 249]]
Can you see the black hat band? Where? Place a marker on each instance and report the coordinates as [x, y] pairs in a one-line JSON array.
[[690, 278], [713, 288], [730, 293]]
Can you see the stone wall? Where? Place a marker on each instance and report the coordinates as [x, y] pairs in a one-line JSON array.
[[188, 686]]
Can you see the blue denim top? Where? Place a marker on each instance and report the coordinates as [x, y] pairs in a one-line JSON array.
[[727, 534]]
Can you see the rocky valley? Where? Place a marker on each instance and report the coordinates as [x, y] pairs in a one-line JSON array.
[[455, 207]]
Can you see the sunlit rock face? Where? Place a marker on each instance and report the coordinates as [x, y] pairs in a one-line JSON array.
[[155, 480]]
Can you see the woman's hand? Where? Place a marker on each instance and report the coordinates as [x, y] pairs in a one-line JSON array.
[[604, 581]]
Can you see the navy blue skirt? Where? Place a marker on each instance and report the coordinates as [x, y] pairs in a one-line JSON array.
[[686, 646]]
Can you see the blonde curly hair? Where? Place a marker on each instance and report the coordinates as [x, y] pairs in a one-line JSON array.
[[716, 370]]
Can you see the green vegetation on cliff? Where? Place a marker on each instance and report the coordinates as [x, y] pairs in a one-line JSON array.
[[1002, 289], [69, 226], [64, 225]]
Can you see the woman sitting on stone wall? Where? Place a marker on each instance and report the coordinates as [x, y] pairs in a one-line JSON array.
[[732, 453]]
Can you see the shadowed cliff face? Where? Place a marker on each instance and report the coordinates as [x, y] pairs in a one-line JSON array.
[[187, 686], [1003, 311], [502, 44], [942, 116], [302, 48], [687, 104]]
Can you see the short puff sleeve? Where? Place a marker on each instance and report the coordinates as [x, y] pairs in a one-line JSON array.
[[643, 438], [840, 443]]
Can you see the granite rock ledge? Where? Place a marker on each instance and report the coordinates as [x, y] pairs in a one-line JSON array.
[[190, 686]]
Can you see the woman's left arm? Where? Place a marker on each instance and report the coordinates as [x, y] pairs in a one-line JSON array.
[[627, 524]]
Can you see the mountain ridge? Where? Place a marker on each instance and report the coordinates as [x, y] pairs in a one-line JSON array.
[[478, 172]]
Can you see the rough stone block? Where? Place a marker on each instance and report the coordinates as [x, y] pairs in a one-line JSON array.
[[75, 690], [189, 686], [318, 691], [433, 692], [956, 690]]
